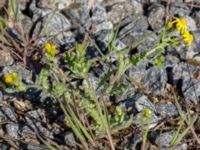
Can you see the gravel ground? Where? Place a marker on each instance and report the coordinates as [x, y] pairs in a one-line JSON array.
[[27, 116]]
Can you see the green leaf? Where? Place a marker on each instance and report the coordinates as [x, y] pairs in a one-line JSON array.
[[42, 80], [135, 59]]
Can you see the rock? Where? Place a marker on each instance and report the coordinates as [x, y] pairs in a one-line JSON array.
[[156, 16], [142, 102], [149, 43], [27, 133], [164, 139], [37, 147], [103, 29], [4, 145], [155, 79], [70, 139], [5, 58], [35, 118], [134, 142], [166, 110], [130, 27], [1, 96], [38, 114], [79, 14], [181, 71], [12, 130], [120, 10], [7, 114], [191, 89], [136, 73], [191, 24], [196, 16], [179, 9], [53, 4]]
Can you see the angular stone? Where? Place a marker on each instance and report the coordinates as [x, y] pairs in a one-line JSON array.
[[12, 130], [155, 79], [7, 114], [156, 16], [191, 89], [166, 110], [5, 58]]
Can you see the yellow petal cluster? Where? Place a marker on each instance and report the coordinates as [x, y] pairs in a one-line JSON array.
[[188, 38], [50, 49], [181, 26], [10, 78]]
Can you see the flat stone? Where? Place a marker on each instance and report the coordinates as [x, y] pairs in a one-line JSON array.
[[166, 110], [12, 130], [5, 58], [155, 79], [156, 16], [191, 89], [7, 114]]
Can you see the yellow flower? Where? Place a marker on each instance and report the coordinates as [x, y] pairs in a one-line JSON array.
[[146, 112], [50, 49], [181, 25], [188, 38], [10, 78], [14, 75]]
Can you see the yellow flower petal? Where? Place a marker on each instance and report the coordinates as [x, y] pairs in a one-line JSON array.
[[50, 49], [181, 25], [8, 79], [188, 38]]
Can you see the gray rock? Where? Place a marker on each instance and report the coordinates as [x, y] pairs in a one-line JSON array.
[[5, 58], [155, 79], [166, 110], [12, 130], [35, 118], [26, 132], [191, 89], [170, 61], [4, 145], [134, 142], [150, 41], [137, 73], [191, 24], [53, 4], [141, 102], [70, 139], [120, 10], [179, 9], [79, 14], [38, 114], [103, 31], [130, 27], [181, 71], [7, 114], [156, 16], [163, 141], [196, 16], [37, 147], [1, 96]]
